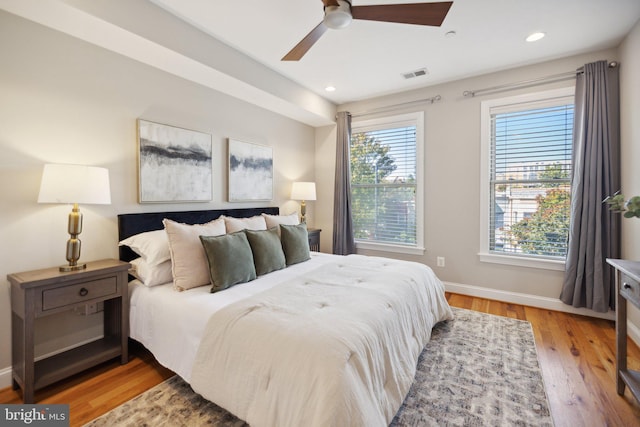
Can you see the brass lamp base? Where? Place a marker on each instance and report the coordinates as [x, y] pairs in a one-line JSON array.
[[303, 212], [73, 267], [73, 244]]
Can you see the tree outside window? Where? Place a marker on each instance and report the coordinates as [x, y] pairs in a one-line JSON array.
[[383, 185], [531, 188]]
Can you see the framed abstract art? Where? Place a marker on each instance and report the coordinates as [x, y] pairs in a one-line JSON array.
[[174, 164], [250, 171]]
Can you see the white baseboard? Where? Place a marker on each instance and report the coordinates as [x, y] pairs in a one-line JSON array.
[[5, 377], [536, 301], [5, 373]]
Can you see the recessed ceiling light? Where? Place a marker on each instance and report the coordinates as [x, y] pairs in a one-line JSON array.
[[450, 34], [330, 88], [534, 37]]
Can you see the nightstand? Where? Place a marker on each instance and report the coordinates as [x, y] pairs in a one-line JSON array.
[[627, 289], [314, 239], [41, 293]]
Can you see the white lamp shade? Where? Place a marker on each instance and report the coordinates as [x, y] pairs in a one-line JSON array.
[[303, 191], [75, 184]]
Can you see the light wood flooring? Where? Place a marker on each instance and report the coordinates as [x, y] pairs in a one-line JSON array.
[[576, 353]]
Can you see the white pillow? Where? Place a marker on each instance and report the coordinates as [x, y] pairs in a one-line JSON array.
[[189, 263], [238, 224], [151, 275], [276, 220], [153, 246]]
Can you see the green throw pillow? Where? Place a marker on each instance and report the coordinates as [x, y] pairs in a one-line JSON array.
[[230, 260], [267, 250], [295, 243]]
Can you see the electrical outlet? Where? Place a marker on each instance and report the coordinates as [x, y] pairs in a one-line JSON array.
[[87, 309], [440, 261]]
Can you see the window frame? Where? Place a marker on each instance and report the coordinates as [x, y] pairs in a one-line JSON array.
[[396, 120], [522, 102]]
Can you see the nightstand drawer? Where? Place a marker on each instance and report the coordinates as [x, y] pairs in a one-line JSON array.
[[630, 289], [74, 294]]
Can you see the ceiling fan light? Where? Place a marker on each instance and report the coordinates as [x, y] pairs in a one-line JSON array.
[[337, 20], [338, 17]]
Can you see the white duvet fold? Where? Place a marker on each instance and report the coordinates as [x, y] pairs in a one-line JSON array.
[[337, 346]]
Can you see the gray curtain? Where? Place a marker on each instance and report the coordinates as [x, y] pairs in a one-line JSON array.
[[343, 241], [594, 232]]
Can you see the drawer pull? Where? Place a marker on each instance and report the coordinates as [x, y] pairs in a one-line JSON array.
[[83, 292], [625, 285]]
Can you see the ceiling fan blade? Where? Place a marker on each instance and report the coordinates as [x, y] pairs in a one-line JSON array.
[[305, 44], [330, 3], [411, 13]]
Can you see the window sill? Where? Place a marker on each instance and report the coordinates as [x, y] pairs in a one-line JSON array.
[[541, 263], [387, 247]]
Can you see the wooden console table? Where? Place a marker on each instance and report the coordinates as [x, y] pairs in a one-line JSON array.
[[627, 289]]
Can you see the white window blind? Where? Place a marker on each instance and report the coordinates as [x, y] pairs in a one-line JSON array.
[[384, 173], [530, 178]]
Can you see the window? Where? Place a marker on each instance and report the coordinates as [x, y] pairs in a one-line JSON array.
[[526, 182], [386, 183]]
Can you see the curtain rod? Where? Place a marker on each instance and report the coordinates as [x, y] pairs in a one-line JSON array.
[[394, 106], [533, 82]]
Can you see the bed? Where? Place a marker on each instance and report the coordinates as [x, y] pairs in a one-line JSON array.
[[331, 341]]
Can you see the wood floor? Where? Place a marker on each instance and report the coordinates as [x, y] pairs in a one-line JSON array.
[[576, 353]]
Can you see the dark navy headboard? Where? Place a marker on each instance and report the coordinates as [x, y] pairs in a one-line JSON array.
[[135, 223]]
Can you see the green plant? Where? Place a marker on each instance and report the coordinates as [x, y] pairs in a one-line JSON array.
[[630, 207]]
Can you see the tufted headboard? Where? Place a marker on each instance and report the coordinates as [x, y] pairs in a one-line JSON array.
[[135, 223]]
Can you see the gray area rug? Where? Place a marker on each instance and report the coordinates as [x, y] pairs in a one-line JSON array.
[[477, 370]]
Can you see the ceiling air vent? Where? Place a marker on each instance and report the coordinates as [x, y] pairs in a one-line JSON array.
[[416, 73]]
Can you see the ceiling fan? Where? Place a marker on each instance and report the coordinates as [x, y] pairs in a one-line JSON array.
[[339, 13]]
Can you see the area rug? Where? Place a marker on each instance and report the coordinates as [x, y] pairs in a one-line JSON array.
[[477, 370]]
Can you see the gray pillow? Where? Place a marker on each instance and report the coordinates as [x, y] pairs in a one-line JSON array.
[[267, 250], [230, 260], [295, 243]]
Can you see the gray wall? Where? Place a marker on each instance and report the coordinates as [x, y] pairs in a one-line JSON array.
[[66, 101], [630, 149]]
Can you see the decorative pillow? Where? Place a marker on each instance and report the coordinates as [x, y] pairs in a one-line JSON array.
[[188, 260], [153, 246], [267, 250], [230, 260], [295, 243], [238, 224], [276, 220], [151, 275]]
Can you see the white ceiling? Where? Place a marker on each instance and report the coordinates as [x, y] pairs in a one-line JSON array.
[[368, 58], [236, 45]]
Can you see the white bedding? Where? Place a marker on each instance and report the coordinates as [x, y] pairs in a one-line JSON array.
[[171, 324], [335, 343]]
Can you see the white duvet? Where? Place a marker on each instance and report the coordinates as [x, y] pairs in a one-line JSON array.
[[171, 324], [335, 346]]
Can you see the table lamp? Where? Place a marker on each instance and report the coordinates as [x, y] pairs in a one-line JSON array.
[[75, 184], [303, 191]]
